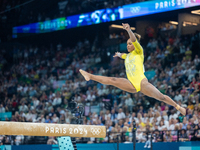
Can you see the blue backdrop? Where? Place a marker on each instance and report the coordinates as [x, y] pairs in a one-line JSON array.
[[105, 15]]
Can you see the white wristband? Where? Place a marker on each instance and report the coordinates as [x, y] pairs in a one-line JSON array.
[[119, 54]]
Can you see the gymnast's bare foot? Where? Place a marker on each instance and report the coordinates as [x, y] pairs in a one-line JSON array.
[[85, 74], [182, 110]]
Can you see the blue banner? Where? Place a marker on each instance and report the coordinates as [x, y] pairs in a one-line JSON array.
[[156, 6], [105, 15]]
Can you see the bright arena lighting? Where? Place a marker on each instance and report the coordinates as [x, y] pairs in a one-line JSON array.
[[197, 12], [120, 27]]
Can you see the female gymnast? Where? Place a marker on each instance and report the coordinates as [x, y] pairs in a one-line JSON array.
[[135, 73]]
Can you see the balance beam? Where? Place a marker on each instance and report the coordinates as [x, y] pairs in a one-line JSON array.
[[48, 129]]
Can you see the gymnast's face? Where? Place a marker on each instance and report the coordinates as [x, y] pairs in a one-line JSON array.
[[130, 46]]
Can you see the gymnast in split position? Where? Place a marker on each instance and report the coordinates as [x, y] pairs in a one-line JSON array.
[[135, 73]]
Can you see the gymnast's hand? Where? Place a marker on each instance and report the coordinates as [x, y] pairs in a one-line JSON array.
[[117, 54], [126, 26]]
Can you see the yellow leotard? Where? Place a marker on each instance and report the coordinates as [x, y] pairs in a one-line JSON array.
[[134, 65]]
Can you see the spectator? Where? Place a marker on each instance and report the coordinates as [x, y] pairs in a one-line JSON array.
[[183, 136], [129, 102], [23, 108], [190, 105], [167, 137], [140, 136], [163, 106], [47, 120], [35, 102], [184, 124], [43, 87], [132, 118], [178, 97], [113, 116], [194, 134], [57, 100], [196, 60], [162, 126], [41, 119], [120, 115], [158, 137], [173, 115], [55, 119], [2, 109], [192, 123], [188, 53], [19, 139], [107, 115], [165, 116]]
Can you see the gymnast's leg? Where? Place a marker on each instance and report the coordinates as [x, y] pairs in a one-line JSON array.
[[151, 91], [122, 83]]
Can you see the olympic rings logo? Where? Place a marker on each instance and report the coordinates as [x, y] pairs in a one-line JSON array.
[[95, 131], [135, 9]]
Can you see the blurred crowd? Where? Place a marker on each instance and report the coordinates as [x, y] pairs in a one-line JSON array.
[[42, 81]]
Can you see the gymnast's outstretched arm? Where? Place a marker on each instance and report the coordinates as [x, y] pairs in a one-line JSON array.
[[121, 55], [127, 27]]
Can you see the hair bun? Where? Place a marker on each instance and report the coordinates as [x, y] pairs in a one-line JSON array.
[[137, 36]]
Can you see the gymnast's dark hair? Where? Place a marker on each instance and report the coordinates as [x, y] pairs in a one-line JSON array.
[[138, 37]]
